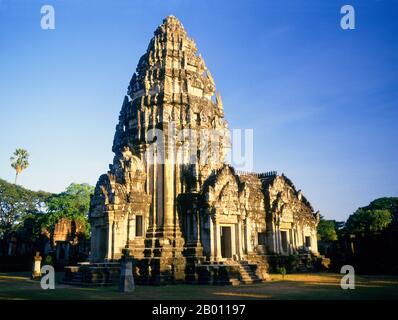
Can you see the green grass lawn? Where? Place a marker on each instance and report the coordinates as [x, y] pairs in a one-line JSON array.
[[295, 286]]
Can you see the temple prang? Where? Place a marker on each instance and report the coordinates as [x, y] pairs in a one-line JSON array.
[[182, 220]]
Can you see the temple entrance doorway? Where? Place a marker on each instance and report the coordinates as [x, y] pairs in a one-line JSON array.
[[226, 242]]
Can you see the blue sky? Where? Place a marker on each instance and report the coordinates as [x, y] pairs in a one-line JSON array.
[[322, 101]]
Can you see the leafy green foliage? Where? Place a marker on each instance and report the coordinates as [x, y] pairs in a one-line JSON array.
[[18, 203], [28, 212], [368, 221], [375, 217], [282, 271], [19, 161], [30, 229], [48, 261], [390, 204], [327, 230], [74, 204]]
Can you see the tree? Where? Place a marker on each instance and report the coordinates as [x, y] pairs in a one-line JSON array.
[[370, 237], [16, 203], [327, 230], [386, 203], [368, 221], [375, 217], [29, 212], [74, 204], [19, 161]]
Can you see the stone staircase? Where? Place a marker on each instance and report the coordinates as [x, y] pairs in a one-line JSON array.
[[247, 273], [92, 274], [228, 272]]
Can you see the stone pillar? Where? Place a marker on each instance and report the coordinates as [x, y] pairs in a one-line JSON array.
[[314, 243], [36, 266], [274, 239], [154, 200], [126, 283], [240, 242], [177, 191], [279, 241], [197, 216], [218, 241], [111, 239], [233, 240], [168, 193], [194, 226], [212, 242], [160, 182], [293, 239], [131, 228], [248, 236], [93, 243]]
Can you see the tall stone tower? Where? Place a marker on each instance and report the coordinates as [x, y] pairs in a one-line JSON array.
[[160, 153], [170, 201]]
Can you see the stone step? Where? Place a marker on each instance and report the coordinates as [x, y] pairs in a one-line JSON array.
[[246, 267], [246, 270], [246, 278], [234, 282], [247, 274]]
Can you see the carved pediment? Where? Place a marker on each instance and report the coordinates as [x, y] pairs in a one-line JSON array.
[[222, 191]]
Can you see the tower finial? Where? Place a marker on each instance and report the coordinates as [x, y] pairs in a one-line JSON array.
[[172, 19]]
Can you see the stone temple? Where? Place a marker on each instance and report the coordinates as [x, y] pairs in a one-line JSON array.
[[193, 221]]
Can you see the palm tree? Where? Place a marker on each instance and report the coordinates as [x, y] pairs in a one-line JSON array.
[[19, 161]]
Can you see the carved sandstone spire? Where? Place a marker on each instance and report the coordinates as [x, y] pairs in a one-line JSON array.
[[171, 85]]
